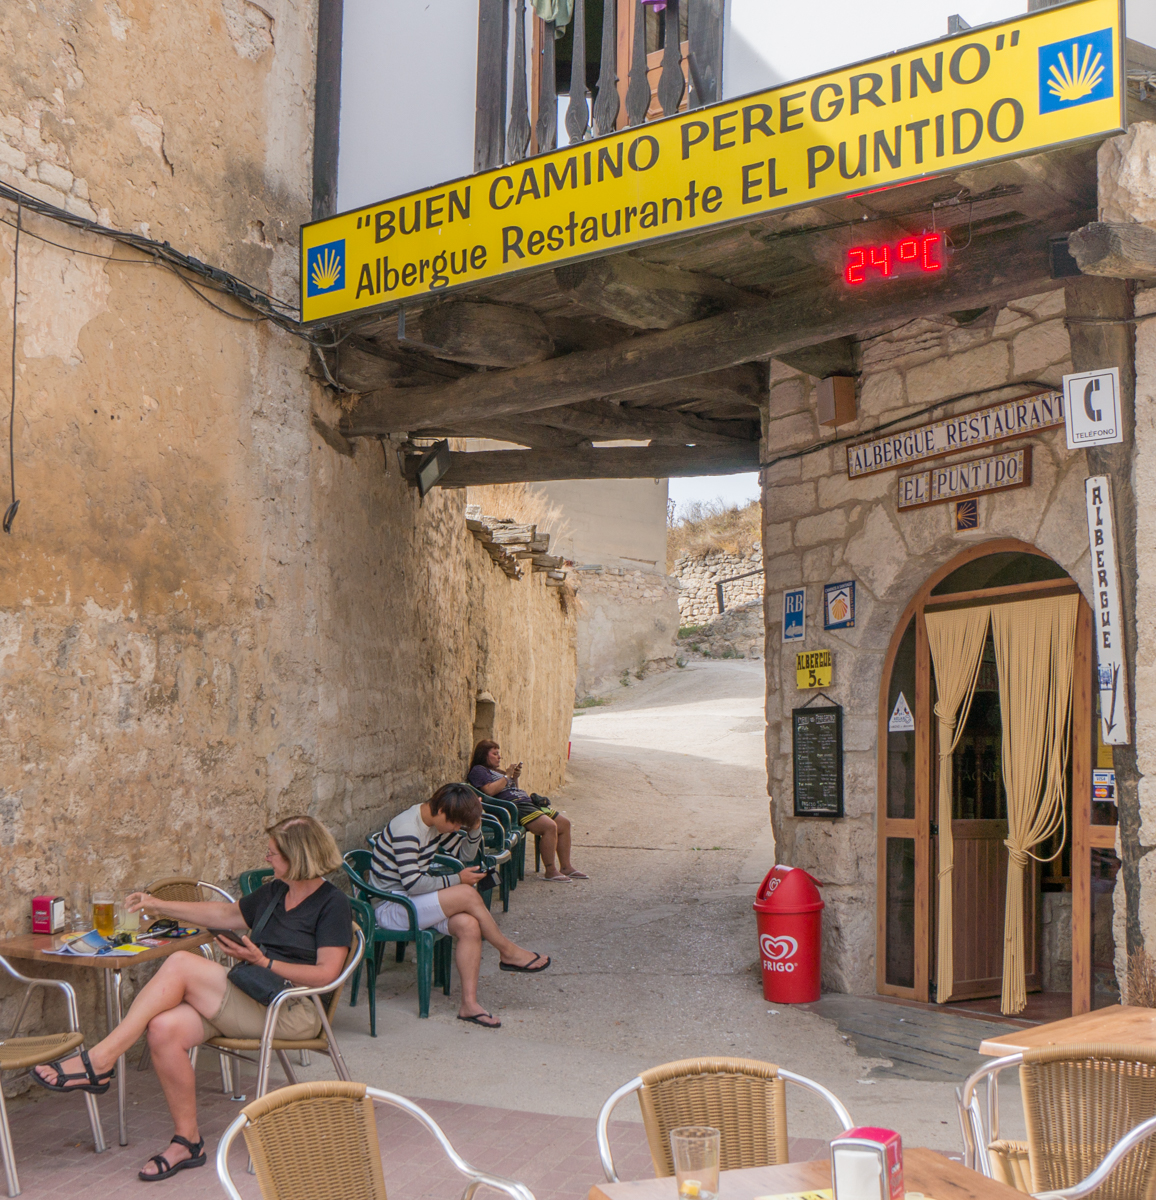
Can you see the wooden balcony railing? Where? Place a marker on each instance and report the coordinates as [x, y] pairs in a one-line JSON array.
[[633, 85]]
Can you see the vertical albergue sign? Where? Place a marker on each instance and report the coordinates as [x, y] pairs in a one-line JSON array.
[[1112, 673], [1005, 90]]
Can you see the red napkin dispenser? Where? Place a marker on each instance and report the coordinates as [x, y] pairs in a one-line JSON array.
[[47, 914], [867, 1164]]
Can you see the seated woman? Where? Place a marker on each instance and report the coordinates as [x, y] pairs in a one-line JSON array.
[[535, 812], [304, 939], [449, 822]]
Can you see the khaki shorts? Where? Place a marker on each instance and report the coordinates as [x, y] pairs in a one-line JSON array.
[[240, 1016]]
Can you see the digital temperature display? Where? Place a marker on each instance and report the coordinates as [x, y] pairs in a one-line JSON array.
[[911, 255]]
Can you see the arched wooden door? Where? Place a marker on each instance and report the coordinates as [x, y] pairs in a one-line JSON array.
[[990, 573]]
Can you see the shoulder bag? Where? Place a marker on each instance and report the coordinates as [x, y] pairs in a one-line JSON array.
[[258, 982]]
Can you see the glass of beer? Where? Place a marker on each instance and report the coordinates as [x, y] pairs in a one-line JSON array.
[[129, 922], [104, 913]]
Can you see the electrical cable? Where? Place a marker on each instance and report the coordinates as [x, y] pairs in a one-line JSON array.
[[10, 514]]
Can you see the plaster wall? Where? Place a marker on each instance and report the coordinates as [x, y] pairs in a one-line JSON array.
[[210, 620], [822, 527]]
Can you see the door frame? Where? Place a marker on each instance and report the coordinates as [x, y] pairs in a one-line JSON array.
[[1084, 835]]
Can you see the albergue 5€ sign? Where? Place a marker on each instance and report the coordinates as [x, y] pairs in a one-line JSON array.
[[1004, 90]]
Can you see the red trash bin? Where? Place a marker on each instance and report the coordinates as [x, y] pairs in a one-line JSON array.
[[789, 912]]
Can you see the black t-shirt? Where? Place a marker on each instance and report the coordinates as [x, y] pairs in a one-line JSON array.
[[322, 919]]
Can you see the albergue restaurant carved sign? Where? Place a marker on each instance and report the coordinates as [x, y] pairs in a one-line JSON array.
[[1004, 90], [1013, 418]]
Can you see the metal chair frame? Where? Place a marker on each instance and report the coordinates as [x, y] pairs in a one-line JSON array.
[[978, 1133], [477, 1178], [636, 1085], [208, 951], [6, 1150], [268, 1035]]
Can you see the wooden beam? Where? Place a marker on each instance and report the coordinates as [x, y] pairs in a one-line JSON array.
[[646, 296], [603, 422], [487, 335], [1120, 251], [626, 462], [745, 384], [824, 360], [996, 269], [366, 367]]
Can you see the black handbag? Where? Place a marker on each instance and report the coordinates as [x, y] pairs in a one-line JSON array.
[[258, 982]]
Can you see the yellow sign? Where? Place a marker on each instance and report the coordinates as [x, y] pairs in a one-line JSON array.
[[1004, 90], [814, 669]]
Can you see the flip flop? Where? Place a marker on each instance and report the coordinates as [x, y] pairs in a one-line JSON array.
[[577, 875], [528, 969], [556, 878], [196, 1149], [476, 1019], [97, 1084]]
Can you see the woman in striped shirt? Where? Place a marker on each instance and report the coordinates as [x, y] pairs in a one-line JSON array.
[[449, 822]]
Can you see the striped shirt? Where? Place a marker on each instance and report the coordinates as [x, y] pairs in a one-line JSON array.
[[404, 849]]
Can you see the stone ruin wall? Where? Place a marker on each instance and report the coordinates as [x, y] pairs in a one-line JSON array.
[[209, 619], [822, 527], [627, 625], [698, 574]]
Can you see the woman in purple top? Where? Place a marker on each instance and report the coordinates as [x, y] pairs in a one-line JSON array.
[[535, 813]]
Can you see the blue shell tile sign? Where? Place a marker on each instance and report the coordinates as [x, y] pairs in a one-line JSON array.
[[1076, 71], [325, 268], [839, 605]]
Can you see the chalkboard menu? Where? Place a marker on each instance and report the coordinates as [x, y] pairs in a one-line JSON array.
[[817, 746]]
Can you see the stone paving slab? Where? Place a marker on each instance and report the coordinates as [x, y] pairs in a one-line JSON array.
[[556, 1157]]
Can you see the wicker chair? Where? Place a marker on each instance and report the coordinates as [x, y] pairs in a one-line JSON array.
[[268, 1044], [744, 1100], [22, 1053], [320, 1139], [1090, 1112], [186, 890]]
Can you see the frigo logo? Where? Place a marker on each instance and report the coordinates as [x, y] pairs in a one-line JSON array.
[[1076, 71], [777, 951]]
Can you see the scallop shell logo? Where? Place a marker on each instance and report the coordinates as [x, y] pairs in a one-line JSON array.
[[1077, 79], [326, 271], [325, 268]]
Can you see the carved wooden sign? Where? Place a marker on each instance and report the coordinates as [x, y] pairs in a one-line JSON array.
[[996, 423], [972, 477]]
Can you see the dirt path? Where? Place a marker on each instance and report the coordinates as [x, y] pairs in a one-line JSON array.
[[655, 956]]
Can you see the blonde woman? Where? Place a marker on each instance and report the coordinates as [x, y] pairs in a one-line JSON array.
[[304, 927]]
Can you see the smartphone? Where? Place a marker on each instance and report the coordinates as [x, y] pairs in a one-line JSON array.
[[228, 935]]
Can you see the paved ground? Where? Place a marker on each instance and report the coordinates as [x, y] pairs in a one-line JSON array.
[[654, 959]]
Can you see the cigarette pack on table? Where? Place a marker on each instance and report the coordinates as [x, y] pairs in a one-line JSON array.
[[867, 1164], [47, 914]]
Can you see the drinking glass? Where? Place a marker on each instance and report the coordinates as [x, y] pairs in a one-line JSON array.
[[81, 913], [696, 1153], [129, 922], [104, 913]]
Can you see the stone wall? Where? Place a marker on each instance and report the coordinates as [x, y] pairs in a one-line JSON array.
[[627, 625], [822, 527], [209, 619], [698, 574]]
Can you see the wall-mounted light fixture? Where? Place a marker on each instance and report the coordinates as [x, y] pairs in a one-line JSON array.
[[435, 462]]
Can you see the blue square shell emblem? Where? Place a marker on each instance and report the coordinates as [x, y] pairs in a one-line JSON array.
[[1077, 71], [325, 268]]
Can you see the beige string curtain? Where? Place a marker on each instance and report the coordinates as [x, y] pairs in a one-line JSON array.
[[956, 641], [1035, 643]]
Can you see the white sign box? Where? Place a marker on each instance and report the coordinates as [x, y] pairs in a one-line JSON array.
[[1112, 674], [1092, 408]]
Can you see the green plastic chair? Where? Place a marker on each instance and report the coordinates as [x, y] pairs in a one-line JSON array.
[[506, 811], [433, 949], [251, 880], [363, 914]]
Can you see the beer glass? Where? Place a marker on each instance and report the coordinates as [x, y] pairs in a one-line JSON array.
[[104, 913], [695, 1149]]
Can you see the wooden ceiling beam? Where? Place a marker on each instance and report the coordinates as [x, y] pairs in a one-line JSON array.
[[836, 357], [645, 296], [993, 270], [602, 422], [1120, 251], [486, 335], [623, 462]]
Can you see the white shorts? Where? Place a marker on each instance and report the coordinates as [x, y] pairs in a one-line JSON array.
[[391, 915]]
